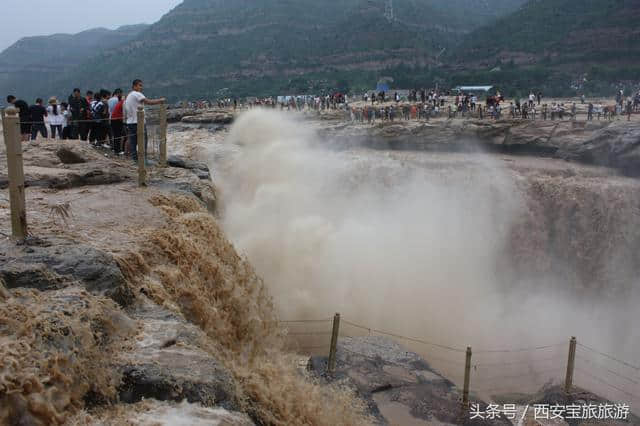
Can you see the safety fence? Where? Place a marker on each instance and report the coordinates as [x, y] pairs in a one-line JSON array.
[[485, 372], [154, 141]]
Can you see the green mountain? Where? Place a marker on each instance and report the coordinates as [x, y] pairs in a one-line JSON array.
[[204, 48], [562, 45], [42, 61]]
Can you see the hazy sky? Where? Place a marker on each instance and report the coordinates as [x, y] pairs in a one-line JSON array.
[[22, 18]]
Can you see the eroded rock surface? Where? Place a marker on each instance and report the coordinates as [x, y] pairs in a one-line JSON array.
[[210, 117], [168, 364], [399, 386], [614, 144], [54, 263]]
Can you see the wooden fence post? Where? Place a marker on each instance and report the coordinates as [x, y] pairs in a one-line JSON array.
[[568, 383], [142, 170], [163, 134], [334, 343], [467, 379], [11, 130]]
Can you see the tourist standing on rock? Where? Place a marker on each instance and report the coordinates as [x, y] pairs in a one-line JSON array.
[[135, 99], [66, 119], [85, 123], [590, 112], [56, 118], [38, 113], [78, 107], [100, 112], [114, 99], [539, 98], [629, 109], [24, 116], [573, 111]]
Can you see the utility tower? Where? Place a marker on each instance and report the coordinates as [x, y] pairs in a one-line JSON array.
[[388, 10]]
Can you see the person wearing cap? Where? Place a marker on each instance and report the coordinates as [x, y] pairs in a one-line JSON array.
[[56, 118]]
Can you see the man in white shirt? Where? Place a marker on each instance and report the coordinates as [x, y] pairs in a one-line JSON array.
[[135, 99]]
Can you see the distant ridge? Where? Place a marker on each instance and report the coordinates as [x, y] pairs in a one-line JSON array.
[[271, 46], [37, 62]]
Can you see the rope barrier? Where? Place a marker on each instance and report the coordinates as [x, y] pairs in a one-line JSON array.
[[310, 333], [502, 364], [611, 357], [431, 357], [518, 376], [635, 382], [71, 121], [447, 347], [356, 325], [604, 382], [529, 349], [479, 375], [411, 339]]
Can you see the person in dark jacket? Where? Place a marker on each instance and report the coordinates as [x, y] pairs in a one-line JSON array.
[[38, 112], [24, 116], [78, 107]]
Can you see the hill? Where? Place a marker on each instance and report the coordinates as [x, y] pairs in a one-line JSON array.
[[204, 48], [40, 61], [559, 44]]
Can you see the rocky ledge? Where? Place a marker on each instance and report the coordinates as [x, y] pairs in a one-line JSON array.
[[613, 144]]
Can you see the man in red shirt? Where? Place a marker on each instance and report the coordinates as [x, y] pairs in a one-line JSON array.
[[117, 126]]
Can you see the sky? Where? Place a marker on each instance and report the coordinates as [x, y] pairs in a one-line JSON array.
[[23, 18]]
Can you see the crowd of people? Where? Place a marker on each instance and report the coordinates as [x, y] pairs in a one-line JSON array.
[[423, 105], [109, 119], [103, 118]]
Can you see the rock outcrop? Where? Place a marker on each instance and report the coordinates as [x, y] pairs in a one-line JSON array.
[[54, 263], [168, 364], [399, 386], [614, 144], [210, 117]]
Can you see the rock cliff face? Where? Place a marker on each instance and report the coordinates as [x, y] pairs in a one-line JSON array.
[[612, 144]]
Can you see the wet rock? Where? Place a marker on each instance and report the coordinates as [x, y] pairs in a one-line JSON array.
[[210, 117], [70, 156], [74, 180], [168, 363], [56, 263], [187, 182], [174, 115], [199, 169], [615, 146], [551, 395], [604, 143], [398, 385]]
